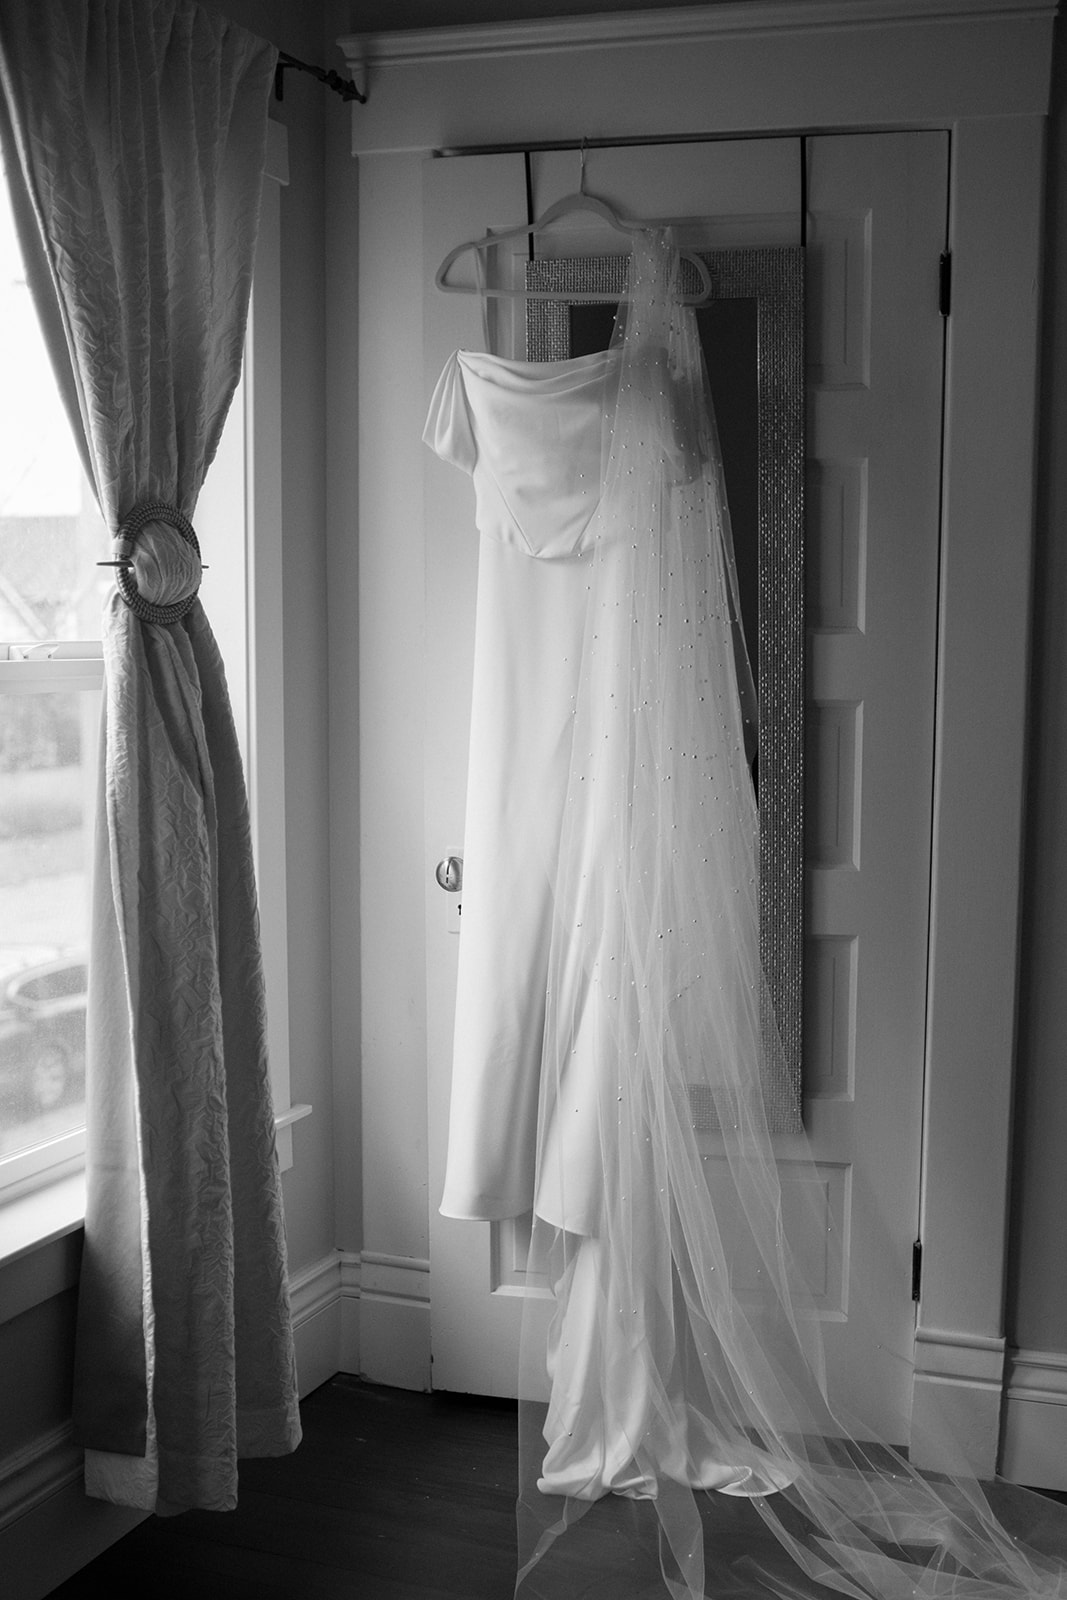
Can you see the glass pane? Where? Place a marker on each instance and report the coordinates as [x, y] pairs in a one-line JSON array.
[[51, 536], [51, 533], [48, 748]]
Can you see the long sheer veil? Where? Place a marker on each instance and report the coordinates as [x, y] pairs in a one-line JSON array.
[[687, 1392]]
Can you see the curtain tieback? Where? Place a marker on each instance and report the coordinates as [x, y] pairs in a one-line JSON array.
[[158, 576]]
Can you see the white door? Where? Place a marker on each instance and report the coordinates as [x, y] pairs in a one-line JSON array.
[[875, 229]]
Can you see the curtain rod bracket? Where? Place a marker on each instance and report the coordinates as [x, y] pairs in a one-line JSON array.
[[345, 87]]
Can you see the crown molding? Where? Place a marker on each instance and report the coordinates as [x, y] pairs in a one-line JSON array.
[[740, 68], [674, 25]]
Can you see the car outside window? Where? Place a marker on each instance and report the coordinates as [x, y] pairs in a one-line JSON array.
[[51, 536]]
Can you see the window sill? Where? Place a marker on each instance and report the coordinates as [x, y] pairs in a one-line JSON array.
[[38, 1218], [40, 1244], [41, 1232]]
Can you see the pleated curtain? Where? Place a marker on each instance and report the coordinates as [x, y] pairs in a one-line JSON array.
[[134, 136]]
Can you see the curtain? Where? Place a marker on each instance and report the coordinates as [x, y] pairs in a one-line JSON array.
[[134, 136]]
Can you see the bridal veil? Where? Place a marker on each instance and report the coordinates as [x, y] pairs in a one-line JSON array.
[[688, 1401]]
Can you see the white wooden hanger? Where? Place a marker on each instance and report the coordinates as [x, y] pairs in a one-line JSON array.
[[579, 201]]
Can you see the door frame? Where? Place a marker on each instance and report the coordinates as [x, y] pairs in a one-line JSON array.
[[981, 70]]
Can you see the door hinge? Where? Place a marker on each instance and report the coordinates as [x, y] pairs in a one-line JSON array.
[[916, 1269], [944, 283]]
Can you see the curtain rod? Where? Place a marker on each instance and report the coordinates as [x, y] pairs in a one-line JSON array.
[[333, 80]]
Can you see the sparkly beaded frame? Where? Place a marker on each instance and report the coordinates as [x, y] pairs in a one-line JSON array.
[[774, 278]]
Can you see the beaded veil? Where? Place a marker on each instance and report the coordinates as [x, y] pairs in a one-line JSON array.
[[684, 1363]]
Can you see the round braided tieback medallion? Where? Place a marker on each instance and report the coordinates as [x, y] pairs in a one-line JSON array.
[[126, 538]]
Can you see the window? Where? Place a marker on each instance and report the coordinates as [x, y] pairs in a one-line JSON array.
[[51, 536], [51, 674]]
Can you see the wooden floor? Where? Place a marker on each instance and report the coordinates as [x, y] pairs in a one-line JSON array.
[[391, 1496], [401, 1496]]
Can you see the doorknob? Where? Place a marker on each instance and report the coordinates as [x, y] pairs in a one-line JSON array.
[[450, 874]]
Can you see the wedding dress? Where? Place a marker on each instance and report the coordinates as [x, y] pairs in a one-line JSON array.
[[611, 992], [530, 435]]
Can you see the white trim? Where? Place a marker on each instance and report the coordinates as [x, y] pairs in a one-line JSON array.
[[25, 1172], [59, 1534], [349, 1350], [910, 66], [330, 1289], [366, 1314], [34, 1220], [1034, 1449], [315, 1288], [314, 1297], [394, 1320], [956, 1394], [321, 1299], [955, 1356], [405, 1279], [48, 1530], [30, 1474], [41, 1239], [54, 650], [983, 661], [265, 641], [297, 1113], [51, 676], [1038, 1375], [678, 25]]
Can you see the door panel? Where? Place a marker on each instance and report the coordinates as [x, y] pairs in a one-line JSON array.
[[875, 229]]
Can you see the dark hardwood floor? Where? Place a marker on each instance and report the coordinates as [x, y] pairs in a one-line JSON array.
[[401, 1496], [391, 1496]]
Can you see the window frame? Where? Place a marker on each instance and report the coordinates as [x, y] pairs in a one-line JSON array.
[[264, 653]]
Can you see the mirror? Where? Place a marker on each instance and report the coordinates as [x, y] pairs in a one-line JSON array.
[[752, 332]]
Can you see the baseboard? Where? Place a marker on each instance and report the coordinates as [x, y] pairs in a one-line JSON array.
[[394, 1320], [956, 1395], [315, 1295], [368, 1315], [48, 1529], [29, 1476], [1034, 1434], [349, 1357]]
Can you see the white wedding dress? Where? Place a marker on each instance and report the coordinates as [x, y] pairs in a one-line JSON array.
[[610, 985], [530, 435]]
